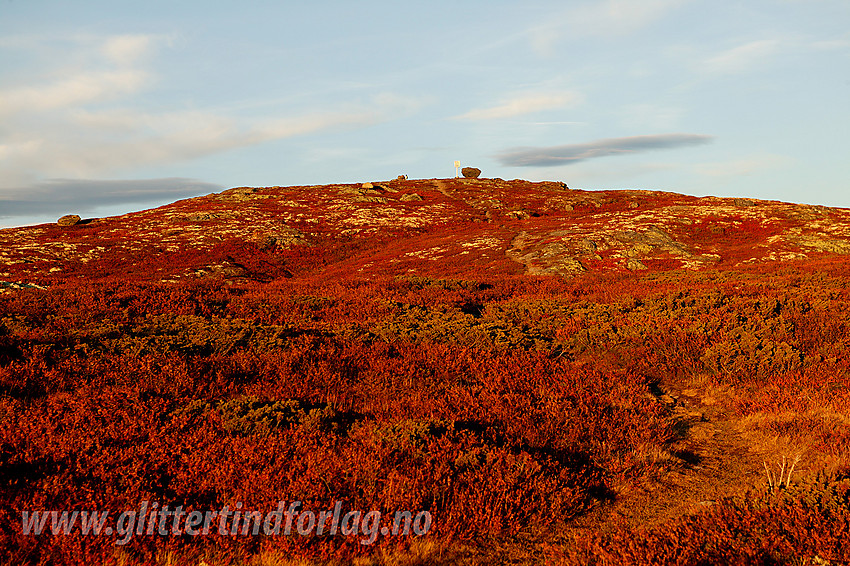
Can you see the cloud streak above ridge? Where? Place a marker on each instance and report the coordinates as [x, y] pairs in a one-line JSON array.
[[59, 196], [566, 154]]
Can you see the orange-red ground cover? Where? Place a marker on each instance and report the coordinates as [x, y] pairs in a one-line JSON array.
[[504, 407], [509, 406]]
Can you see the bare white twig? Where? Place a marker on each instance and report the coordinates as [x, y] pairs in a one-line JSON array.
[[788, 479], [783, 479]]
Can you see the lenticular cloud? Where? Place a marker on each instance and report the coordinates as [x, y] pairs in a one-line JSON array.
[[566, 154]]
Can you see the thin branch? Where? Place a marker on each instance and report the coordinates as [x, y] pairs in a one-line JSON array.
[[788, 480], [769, 476]]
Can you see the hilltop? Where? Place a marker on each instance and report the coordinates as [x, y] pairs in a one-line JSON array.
[[554, 375], [444, 227]]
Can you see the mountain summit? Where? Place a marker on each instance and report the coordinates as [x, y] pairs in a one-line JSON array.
[[427, 226]]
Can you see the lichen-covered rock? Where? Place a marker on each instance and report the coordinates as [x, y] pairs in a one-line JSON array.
[[470, 172], [239, 194], [280, 237], [69, 220]]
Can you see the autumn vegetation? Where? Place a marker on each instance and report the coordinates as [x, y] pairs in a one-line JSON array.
[[519, 410]]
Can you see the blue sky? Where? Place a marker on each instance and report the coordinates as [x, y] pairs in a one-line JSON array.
[[107, 107]]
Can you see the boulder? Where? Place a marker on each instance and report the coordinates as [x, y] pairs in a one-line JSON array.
[[263, 240], [369, 198], [470, 172], [239, 194], [68, 220], [281, 237]]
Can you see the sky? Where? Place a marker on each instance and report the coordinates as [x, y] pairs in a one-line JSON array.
[[112, 106]]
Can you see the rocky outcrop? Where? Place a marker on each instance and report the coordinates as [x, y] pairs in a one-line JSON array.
[[470, 172], [239, 194], [542, 258], [645, 242], [364, 193], [9, 286], [280, 237]]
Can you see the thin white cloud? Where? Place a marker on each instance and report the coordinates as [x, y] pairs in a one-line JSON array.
[[153, 139], [647, 115], [742, 167], [831, 44], [73, 91], [62, 128], [525, 104], [127, 49], [742, 58], [87, 71], [609, 18]]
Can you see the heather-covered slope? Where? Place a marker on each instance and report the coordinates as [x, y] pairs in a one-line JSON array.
[[556, 376], [440, 226]]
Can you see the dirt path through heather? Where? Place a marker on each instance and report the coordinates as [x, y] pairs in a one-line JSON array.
[[442, 187], [713, 460]]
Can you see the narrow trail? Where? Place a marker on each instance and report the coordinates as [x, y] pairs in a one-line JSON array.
[[441, 186], [713, 460], [717, 462]]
